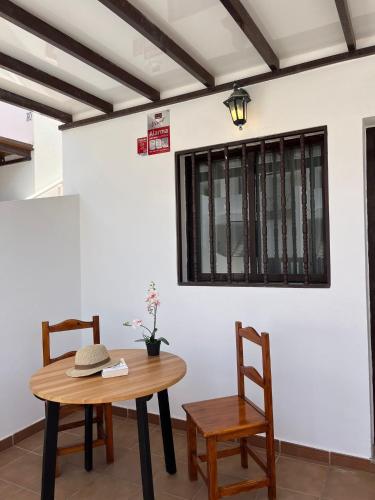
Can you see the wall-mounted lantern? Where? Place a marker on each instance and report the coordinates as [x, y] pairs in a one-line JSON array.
[[237, 104]]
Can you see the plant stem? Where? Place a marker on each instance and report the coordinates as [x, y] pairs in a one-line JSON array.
[[145, 327], [155, 310]]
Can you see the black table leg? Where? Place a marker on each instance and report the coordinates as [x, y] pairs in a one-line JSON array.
[[50, 449], [88, 437], [144, 448], [166, 429]]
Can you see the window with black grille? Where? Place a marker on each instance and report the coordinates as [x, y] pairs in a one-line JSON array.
[[255, 212]]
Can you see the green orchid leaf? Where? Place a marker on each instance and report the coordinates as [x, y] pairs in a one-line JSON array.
[[162, 339], [140, 340]]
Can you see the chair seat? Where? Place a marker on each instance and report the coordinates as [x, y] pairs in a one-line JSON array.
[[225, 416]]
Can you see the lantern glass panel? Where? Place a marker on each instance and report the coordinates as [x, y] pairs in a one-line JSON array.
[[233, 111], [240, 109]]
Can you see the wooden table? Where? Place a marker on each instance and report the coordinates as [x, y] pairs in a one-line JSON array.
[[147, 375]]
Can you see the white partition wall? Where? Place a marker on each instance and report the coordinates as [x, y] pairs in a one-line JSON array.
[[39, 280]]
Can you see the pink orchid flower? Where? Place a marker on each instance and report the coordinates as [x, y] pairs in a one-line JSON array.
[[136, 323]]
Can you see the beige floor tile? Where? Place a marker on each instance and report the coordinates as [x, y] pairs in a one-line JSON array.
[[127, 466], [177, 484], [25, 471], [283, 494], [156, 443], [105, 487], [33, 442], [72, 479], [125, 433], [223, 480], [301, 476], [343, 484], [78, 459], [12, 492], [9, 455], [161, 496]]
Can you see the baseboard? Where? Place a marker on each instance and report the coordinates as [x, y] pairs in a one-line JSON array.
[[282, 447], [22, 434]]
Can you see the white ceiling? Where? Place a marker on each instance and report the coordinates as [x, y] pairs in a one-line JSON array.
[[297, 30]]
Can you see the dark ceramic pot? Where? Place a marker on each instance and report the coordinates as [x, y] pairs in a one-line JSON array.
[[153, 348]]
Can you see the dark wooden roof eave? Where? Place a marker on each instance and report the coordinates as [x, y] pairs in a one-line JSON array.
[[12, 147], [244, 82]]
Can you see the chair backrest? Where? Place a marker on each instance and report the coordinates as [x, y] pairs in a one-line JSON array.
[[264, 381], [66, 326]]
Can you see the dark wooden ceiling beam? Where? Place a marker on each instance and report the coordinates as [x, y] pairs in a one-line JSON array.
[[36, 75], [346, 23], [26, 103], [253, 33], [135, 18], [244, 82], [43, 30]]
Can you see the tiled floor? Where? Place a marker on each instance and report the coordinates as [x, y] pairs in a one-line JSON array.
[[20, 470]]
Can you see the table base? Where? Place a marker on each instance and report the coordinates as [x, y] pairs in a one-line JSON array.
[[50, 443]]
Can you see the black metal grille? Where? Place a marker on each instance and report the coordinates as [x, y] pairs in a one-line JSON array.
[[255, 212]]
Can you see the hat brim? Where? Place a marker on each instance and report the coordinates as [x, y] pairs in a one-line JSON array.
[[73, 372]]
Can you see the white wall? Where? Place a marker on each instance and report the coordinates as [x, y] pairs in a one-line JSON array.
[[23, 180], [17, 180], [319, 337], [13, 123], [39, 280], [47, 151]]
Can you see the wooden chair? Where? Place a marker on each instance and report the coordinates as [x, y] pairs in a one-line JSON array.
[[103, 411], [235, 418]]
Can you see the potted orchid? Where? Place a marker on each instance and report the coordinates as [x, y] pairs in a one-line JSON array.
[[149, 336]]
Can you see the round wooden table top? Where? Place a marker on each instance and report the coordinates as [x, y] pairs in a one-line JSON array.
[[147, 375]]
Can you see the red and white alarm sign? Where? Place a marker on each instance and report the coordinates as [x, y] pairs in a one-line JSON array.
[[158, 132]]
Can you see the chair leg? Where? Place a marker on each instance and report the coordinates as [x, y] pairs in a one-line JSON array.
[[99, 421], [192, 449], [244, 456], [271, 468], [213, 493], [109, 433]]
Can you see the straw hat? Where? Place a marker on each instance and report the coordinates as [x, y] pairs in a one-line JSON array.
[[89, 360]]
